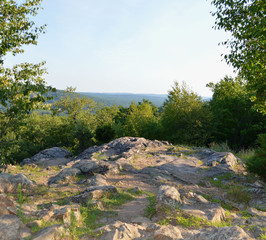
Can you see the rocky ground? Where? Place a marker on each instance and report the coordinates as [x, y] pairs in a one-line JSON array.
[[132, 188]]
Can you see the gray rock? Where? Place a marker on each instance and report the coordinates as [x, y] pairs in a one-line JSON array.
[[196, 205], [93, 193], [12, 228], [167, 233], [88, 167], [255, 212], [168, 197], [54, 232], [91, 166], [9, 183], [224, 233], [121, 147], [121, 231], [97, 180], [63, 214], [65, 173], [49, 157], [7, 206]]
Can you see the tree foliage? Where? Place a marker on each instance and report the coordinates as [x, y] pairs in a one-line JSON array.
[[245, 19], [235, 119], [185, 117], [22, 87]]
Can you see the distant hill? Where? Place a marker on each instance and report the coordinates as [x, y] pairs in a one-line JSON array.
[[124, 99]]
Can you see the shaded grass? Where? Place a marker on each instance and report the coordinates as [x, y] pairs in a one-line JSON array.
[[178, 217]]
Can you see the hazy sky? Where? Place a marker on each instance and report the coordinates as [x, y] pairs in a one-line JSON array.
[[137, 46]]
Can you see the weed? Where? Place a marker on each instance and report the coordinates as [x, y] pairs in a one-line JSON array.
[[238, 194], [151, 208], [245, 214], [222, 147], [73, 225], [135, 192], [100, 156], [20, 202], [263, 236], [246, 154], [227, 206], [114, 200], [261, 209]]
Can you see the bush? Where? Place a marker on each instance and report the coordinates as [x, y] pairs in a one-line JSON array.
[[257, 164], [104, 133]]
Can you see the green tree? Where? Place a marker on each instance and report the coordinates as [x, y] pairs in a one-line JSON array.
[[245, 19], [22, 87], [141, 120], [235, 119], [80, 112], [185, 118]]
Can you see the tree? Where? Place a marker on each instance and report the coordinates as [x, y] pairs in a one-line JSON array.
[[22, 87], [245, 19], [185, 117], [235, 119]]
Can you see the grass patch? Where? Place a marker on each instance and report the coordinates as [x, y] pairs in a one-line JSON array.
[[151, 208], [218, 180], [112, 200], [239, 194], [100, 156], [188, 221], [246, 154], [91, 213], [262, 236]]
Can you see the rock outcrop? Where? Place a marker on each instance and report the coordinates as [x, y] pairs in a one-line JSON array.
[[12, 228], [9, 183], [133, 188], [49, 157]]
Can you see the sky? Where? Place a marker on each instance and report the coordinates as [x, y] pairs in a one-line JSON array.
[[133, 46]]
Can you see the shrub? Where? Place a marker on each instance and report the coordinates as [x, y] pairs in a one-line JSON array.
[[104, 133], [257, 163]]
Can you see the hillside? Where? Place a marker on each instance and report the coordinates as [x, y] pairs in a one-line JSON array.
[[125, 99], [132, 188]]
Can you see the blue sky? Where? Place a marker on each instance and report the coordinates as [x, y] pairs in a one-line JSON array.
[[137, 46]]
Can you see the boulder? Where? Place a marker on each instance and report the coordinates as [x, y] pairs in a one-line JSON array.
[[96, 180], [54, 232], [49, 157], [12, 228], [121, 231], [63, 175], [7, 206], [167, 233], [255, 212], [168, 197], [196, 205], [63, 214], [232, 233], [91, 166], [93, 193], [9, 183], [88, 167], [121, 147]]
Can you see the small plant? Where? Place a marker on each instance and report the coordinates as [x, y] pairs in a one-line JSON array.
[[73, 225], [227, 206], [20, 202], [238, 194], [257, 163], [151, 208], [222, 147], [263, 236], [100, 156]]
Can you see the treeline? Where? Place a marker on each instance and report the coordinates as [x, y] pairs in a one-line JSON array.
[[76, 123]]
